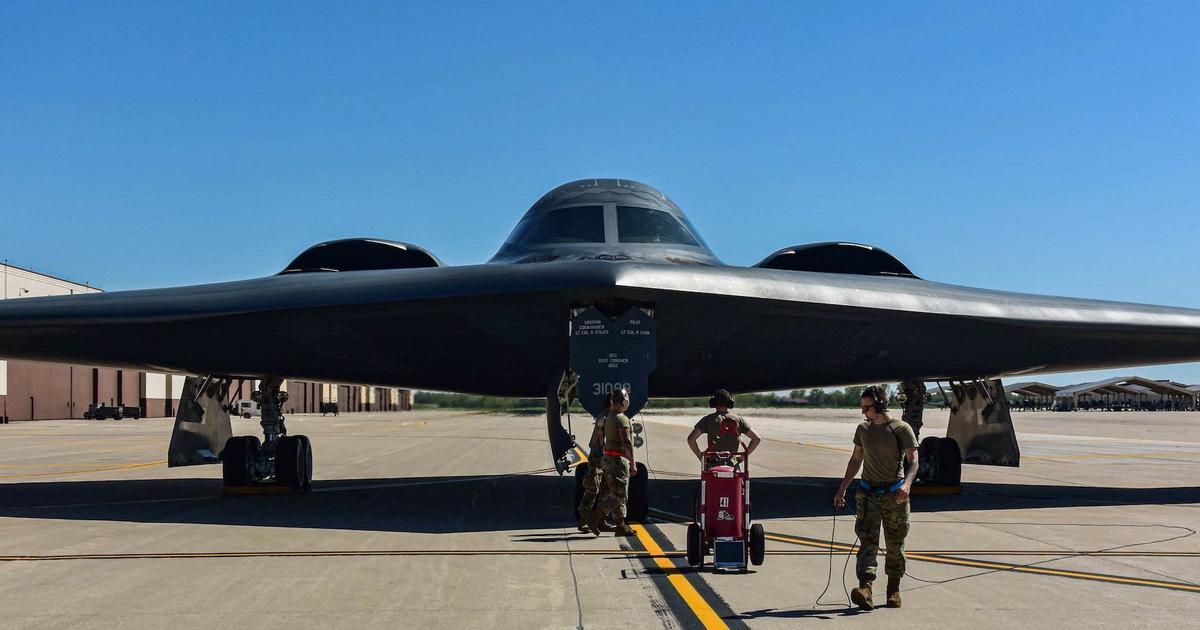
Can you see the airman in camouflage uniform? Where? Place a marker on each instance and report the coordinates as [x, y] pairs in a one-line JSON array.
[[617, 465], [880, 446], [722, 402], [593, 478]]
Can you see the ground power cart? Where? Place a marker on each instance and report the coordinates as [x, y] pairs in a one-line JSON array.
[[721, 523]]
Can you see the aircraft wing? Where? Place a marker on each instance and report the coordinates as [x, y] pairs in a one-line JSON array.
[[501, 329]]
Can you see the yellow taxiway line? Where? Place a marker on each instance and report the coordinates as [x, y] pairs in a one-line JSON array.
[[704, 612], [84, 470]]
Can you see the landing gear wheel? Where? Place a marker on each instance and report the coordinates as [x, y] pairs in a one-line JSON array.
[[949, 460], [581, 472], [246, 416], [638, 507], [238, 461], [758, 544], [293, 462], [308, 462], [695, 546]]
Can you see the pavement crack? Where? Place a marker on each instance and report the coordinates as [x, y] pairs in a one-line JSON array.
[[574, 578]]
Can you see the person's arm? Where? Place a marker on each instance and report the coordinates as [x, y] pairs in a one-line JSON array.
[[627, 442], [597, 440], [755, 440], [692, 439], [856, 459], [906, 489]]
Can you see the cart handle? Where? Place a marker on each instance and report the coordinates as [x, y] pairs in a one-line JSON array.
[[743, 455]]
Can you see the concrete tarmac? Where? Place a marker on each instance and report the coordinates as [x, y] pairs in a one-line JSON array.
[[445, 519]]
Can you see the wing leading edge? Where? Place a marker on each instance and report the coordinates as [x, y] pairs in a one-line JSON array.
[[500, 329]]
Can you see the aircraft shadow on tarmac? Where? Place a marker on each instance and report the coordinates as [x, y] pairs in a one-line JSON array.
[[483, 503]]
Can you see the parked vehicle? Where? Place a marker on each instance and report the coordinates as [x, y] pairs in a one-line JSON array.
[[111, 412], [245, 409]]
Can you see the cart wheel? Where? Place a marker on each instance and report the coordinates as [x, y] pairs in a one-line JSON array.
[[695, 545], [638, 507], [758, 544]]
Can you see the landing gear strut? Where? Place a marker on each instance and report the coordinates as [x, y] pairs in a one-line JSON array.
[[282, 459]]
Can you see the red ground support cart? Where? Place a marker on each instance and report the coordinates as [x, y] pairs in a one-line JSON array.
[[721, 523]]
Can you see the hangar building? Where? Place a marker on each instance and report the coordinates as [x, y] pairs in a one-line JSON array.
[[49, 391]]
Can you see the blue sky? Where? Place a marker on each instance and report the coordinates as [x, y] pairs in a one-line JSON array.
[[1041, 147]]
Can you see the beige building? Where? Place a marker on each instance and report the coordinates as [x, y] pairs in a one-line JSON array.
[[32, 390]]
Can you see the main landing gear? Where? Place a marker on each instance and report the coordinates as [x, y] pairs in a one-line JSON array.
[[279, 459]]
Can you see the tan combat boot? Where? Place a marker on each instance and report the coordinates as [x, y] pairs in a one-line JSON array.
[[595, 517], [893, 592], [624, 529], [585, 516], [861, 596]]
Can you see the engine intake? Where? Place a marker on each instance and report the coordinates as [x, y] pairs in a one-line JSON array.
[[849, 258], [361, 254]]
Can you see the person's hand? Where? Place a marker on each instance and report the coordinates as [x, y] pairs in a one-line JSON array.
[[902, 493], [633, 471], [839, 500]]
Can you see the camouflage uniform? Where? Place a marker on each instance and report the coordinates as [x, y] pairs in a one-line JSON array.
[[876, 509], [593, 480], [883, 447], [616, 487], [615, 469]]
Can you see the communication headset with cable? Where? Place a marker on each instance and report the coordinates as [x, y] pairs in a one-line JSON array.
[[879, 399], [619, 395]]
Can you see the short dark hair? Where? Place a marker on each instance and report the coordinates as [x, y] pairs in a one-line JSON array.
[[722, 397], [879, 398]]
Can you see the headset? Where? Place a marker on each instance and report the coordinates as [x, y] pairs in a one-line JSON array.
[[619, 395], [721, 396], [878, 397]]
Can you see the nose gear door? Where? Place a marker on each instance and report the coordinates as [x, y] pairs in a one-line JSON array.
[[608, 354]]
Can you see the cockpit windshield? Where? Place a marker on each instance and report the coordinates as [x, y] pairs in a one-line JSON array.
[[582, 224], [643, 225]]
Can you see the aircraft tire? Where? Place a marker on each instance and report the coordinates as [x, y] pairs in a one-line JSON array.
[[237, 460], [949, 460], [638, 507], [289, 467], [695, 545], [306, 459], [758, 544]]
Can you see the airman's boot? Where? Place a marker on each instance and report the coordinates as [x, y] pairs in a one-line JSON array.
[[595, 517], [604, 526], [861, 596], [623, 529], [584, 517], [893, 592]]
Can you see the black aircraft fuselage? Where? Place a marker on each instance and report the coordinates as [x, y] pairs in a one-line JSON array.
[[390, 314]]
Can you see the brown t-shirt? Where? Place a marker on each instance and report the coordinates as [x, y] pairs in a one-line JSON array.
[[711, 425], [613, 422], [883, 448]]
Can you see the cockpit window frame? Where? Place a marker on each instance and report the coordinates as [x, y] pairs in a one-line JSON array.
[[685, 228], [516, 237], [610, 214]]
